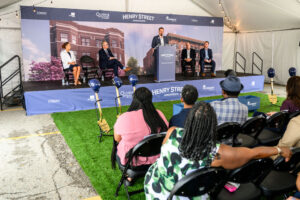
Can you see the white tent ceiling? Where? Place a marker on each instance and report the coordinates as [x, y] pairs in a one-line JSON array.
[[257, 15]]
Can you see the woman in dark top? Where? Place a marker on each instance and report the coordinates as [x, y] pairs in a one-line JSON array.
[[292, 102]]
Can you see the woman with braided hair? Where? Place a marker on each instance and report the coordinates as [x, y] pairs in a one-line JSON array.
[[195, 147]]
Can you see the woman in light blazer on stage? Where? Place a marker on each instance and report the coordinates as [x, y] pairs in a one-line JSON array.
[[69, 61]]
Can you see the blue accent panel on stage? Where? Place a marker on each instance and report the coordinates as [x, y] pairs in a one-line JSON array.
[[50, 101]]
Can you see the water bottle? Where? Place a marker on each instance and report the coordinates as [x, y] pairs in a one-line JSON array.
[[67, 83], [63, 81], [102, 78], [84, 79]]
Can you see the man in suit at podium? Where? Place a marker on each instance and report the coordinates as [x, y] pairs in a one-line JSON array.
[[108, 60], [160, 39], [188, 57], [206, 58]]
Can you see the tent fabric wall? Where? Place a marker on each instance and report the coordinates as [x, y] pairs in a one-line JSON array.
[[278, 49], [228, 50]]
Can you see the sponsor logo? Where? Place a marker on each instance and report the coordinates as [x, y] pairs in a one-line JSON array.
[[204, 87], [102, 15], [138, 17], [53, 100], [253, 83], [92, 98], [251, 104], [126, 94], [167, 91], [167, 55], [72, 14], [195, 20], [170, 19], [41, 13]]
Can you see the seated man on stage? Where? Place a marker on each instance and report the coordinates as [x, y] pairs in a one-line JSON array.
[[188, 57], [107, 60], [206, 58]]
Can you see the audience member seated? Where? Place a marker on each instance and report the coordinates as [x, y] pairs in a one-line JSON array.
[[189, 96], [230, 109], [291, 137], [229, 72], [296, 196], [68, 60], [140, 120], [292, 102], [195, 147]]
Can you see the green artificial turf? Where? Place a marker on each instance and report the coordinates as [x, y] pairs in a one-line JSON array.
[[80, 131]]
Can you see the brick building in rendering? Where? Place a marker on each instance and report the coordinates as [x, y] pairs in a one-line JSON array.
[[85, 40], [180, 42]]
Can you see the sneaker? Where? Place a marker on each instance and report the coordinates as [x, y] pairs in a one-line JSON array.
[[213, 75], [203, 74]]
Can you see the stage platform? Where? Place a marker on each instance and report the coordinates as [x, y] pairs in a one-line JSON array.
[[52, 96]]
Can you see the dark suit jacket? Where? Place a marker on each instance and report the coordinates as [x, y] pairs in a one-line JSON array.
[[202, 54], [156, 41], [192, 54], [103, 58]]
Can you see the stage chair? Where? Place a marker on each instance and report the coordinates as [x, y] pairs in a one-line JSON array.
[[89, 69], [250, 130], [188, 70], [294, 114], [149, 146], [248, 176], [280, 180], [67, 73], [227, 132], [207, 68], [199, 182], [276, 125]]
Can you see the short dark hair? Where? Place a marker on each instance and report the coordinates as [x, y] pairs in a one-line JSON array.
[[229, 72], [232, 94], [206, 42], [64, 45], [161, 28], [189, 94]]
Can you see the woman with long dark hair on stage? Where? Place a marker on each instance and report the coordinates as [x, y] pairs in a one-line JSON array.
[[69, 61], [140, 120]]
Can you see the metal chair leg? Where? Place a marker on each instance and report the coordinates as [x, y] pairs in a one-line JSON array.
[[126, 189]]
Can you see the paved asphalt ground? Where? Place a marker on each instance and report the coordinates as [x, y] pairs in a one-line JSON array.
[[39, 165]]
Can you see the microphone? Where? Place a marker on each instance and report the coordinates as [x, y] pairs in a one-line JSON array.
[[117, 82], [271, 75], [292, 71], [133, 79], [102, 123]]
